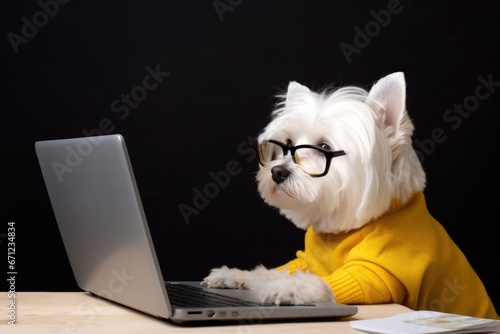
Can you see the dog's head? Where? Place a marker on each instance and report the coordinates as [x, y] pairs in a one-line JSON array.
[[334, 160]]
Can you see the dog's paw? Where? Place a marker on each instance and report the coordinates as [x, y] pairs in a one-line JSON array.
[[298, 289], [228, 278]]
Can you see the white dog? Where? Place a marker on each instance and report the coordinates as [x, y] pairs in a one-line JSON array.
[[340, 164]]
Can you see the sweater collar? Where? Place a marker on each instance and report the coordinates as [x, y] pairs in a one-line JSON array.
[[397, 204]]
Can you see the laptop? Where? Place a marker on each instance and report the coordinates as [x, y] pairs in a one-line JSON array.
[[100, 216]]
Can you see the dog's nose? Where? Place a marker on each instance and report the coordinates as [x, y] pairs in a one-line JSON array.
[[280, 173]]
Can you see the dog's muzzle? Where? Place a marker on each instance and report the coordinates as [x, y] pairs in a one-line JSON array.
[[279, 173]]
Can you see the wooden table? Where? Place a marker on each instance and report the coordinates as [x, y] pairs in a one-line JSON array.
[[80, 312]]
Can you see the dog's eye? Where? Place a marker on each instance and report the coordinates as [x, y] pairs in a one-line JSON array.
[[325, 146]]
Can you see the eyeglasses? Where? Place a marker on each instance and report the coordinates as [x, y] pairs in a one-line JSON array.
[[314, 160]]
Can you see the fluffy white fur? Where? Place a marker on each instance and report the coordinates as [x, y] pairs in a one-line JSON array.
[[374, 129], [271, 286]]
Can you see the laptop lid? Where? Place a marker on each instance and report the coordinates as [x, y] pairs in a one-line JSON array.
[[102, 224], [99, 212]]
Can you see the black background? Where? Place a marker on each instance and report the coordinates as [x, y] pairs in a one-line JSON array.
[[224, 70]]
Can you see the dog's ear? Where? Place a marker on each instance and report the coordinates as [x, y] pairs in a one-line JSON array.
[[295, 89], [388, 97]]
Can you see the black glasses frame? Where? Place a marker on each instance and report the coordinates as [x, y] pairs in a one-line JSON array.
[[329, 155]]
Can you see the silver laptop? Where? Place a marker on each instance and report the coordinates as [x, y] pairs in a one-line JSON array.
[[99, 212]]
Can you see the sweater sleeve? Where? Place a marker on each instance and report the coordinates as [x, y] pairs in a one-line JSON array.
[[365, 283], [377, 271], [359, 283], [363, 278]]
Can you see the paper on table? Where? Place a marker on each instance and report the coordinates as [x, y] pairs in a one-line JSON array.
[[427, 322]]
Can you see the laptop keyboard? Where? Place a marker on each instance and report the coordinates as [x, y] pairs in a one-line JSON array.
[[184, 295]]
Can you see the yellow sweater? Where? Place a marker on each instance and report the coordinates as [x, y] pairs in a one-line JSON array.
[[404, 257]]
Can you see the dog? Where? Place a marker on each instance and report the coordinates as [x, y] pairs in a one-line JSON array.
[[340, 164]]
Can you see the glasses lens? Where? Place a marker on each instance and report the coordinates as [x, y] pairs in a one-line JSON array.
[[269, 152], [312, 161]]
